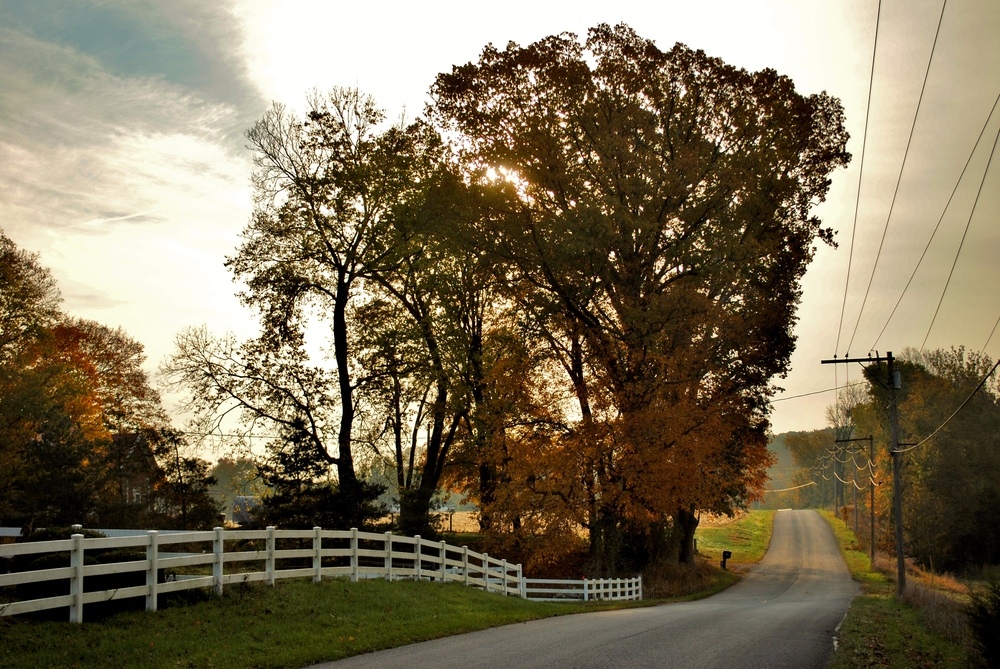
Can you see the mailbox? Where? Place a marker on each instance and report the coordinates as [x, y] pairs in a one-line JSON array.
[[725, 556]]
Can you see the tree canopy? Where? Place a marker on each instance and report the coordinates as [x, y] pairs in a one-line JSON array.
[[83, 435], [661, 201], [949, 482], [565, 292]]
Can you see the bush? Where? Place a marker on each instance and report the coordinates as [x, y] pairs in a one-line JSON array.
[[984, 619]]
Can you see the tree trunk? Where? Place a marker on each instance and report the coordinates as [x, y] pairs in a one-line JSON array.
[[685, 524], [414, 511], [346, 476], [606, 544], [487, 496]]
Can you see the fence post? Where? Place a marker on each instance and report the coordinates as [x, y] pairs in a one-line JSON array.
[[317, 554], [640, 586], [152, 556], [521, 585], [219, 548], [269, 561], [354, 555], [486, 571], [76, 580], [388, 556], [417, 562], [503, 578], [585, 593], [465, 563], [444, 555]]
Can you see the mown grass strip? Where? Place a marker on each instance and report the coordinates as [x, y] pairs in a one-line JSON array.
[[879, 630], [292, 625]]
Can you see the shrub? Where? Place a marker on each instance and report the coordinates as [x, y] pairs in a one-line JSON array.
[[984, 619]]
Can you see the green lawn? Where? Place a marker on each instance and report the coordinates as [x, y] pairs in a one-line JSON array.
[[879, 630], [748, 538], [293, 625]]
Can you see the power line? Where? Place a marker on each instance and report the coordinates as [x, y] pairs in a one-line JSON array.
[[804, 485], [834, 455], [818, 392], [983, 350], [961, 406], [846, 482], [962, 243], [238, 436], [861, 172], [940, 219], [899, 178]]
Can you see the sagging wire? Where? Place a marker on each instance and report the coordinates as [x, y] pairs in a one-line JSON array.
[[846, 482], [955, 413], [818, 392], [804, 485]]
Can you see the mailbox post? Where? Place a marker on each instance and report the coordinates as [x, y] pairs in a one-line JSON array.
[[725, 556]]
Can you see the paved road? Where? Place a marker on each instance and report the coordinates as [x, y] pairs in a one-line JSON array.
[[782, 614]]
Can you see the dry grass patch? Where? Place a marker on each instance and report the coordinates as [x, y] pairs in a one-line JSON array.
[[947, 583], [943, 614], [924, 629]]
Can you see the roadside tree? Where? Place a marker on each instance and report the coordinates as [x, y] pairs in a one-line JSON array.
[[662, 201], [950, 488]]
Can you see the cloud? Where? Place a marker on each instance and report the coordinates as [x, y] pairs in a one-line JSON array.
[[123, 157], [74, 138], [82, 294], [187, 42]]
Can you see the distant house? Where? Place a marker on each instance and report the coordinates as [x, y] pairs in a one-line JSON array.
[[133, 475], [243, 510]]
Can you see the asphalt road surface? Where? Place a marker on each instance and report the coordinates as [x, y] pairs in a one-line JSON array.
[[783, 613]]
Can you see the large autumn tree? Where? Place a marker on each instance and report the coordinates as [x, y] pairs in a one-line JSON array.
[[662, 201], [51, 424]]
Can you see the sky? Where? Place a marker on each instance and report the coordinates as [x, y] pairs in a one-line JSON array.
[[124, 167]]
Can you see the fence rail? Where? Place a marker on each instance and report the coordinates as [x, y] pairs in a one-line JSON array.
[[560, 590], [244, 556]]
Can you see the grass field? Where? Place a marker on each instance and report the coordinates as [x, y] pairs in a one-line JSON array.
[[881, 631], [747, 537], [292, 625]]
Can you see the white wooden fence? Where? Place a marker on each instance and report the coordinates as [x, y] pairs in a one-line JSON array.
[[561, 590], [244, 556]]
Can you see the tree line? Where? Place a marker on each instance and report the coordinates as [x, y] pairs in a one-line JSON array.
[[950, 488], [83, 436]]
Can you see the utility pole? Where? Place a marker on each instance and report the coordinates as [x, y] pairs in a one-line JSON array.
[[897, 480], [855, 505], [897, 483], [871, 493]]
